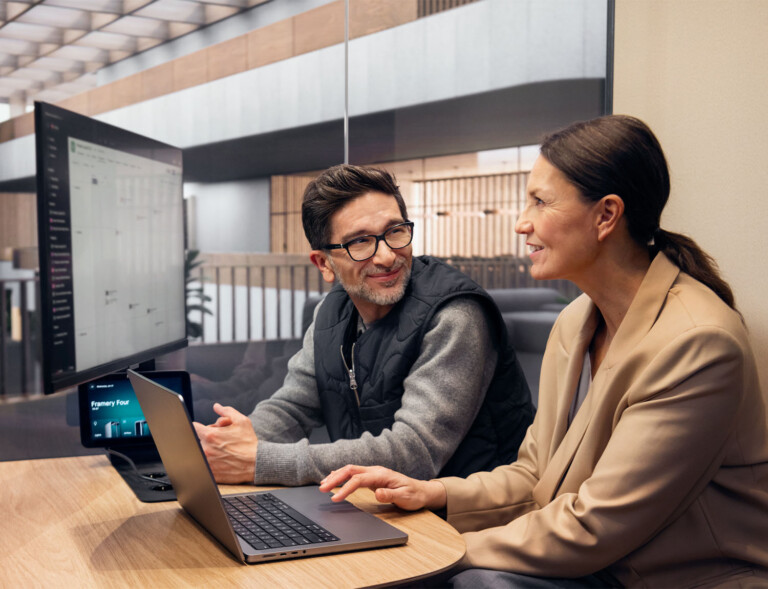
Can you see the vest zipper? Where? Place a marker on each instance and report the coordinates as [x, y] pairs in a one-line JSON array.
[[351, 371]]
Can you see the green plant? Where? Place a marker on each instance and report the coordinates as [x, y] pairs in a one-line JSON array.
[[195, 296]]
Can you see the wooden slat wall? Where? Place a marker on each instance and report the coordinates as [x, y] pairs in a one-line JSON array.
[[465, 217], [371, 16], [270, 44], [318, 28], [286, 230], [18, 221], [470, 217], [428, 7]]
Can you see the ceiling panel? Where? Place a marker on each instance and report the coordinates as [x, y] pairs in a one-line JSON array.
[[178, 10], [53, 16], [17, 47], [56, 64], [108, 41], [40, 75], [136, 26], [115, 6], [18, 83], [34, 33], [79, 53]]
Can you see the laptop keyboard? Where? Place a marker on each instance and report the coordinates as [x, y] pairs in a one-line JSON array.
[[266, 522]]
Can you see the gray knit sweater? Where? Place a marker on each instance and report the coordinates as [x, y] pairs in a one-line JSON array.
[[443, 394]]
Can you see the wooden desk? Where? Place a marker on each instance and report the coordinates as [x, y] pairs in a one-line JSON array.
[[73, 522]]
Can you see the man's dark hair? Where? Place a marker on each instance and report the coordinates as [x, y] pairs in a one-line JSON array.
[[336, 187]]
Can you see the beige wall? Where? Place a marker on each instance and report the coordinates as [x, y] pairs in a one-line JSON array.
[[696, 72]]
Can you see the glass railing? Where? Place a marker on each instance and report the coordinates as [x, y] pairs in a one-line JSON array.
[[259, 297]]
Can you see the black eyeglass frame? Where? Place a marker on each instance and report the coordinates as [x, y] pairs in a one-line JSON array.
[[378, 238]]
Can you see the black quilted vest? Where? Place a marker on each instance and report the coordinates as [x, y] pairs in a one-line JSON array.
[[385, 353]]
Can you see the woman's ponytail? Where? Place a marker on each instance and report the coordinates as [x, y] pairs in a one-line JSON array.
[[691, 259]]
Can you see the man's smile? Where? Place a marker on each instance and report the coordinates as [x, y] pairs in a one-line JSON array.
[[387, 276]]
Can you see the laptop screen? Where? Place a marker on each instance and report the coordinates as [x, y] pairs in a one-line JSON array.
[[110, 415]]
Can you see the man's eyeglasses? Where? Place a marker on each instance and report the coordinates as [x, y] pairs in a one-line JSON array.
[[365, 247]]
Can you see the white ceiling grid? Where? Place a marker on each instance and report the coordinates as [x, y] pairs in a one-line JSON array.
[[51, 49]]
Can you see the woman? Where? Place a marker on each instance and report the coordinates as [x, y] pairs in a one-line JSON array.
[[647, 463]]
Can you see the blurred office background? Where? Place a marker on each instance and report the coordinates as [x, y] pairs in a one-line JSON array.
[[451, 95]]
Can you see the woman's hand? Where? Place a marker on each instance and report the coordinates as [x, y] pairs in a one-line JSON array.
[[388, 487]]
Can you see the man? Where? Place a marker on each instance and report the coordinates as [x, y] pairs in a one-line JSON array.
[[406, 362]]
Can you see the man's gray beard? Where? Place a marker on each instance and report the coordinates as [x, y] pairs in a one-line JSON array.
[[363, 291]]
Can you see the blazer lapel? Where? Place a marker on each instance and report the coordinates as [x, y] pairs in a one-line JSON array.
[[641, 316], [565, 439], [643, 311]]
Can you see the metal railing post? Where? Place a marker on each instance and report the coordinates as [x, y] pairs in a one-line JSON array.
[[234, 302], [279, 305], [263, 303], [202, 305], [293, 301], [24, 337], [248, 302], [218, 305], [3, 350]]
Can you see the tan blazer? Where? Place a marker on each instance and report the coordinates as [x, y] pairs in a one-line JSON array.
[[661, 479]]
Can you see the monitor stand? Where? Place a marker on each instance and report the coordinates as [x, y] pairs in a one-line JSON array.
[[148, 463]]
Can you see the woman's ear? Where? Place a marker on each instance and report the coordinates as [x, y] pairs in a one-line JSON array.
[[320, 259], [610, 212]]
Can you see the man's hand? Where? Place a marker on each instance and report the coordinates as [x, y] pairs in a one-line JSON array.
[[388, 486], [230, 446]]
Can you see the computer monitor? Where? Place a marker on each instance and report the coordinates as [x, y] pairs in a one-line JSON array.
[[111, 243]]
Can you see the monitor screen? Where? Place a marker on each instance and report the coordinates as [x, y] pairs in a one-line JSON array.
[[111, 242], [110, 415]]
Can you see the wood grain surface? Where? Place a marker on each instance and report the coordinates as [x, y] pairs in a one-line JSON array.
[[74, 522]]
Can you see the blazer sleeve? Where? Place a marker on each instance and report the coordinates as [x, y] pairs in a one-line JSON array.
[[486, 499], [668, 441]]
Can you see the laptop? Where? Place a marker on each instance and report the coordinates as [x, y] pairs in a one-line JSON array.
[[259, 526]]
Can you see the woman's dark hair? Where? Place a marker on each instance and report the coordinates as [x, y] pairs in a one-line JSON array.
[[620, 155], [333, 189]]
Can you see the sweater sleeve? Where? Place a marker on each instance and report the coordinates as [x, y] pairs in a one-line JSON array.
[[456, 362], [294, 410]]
